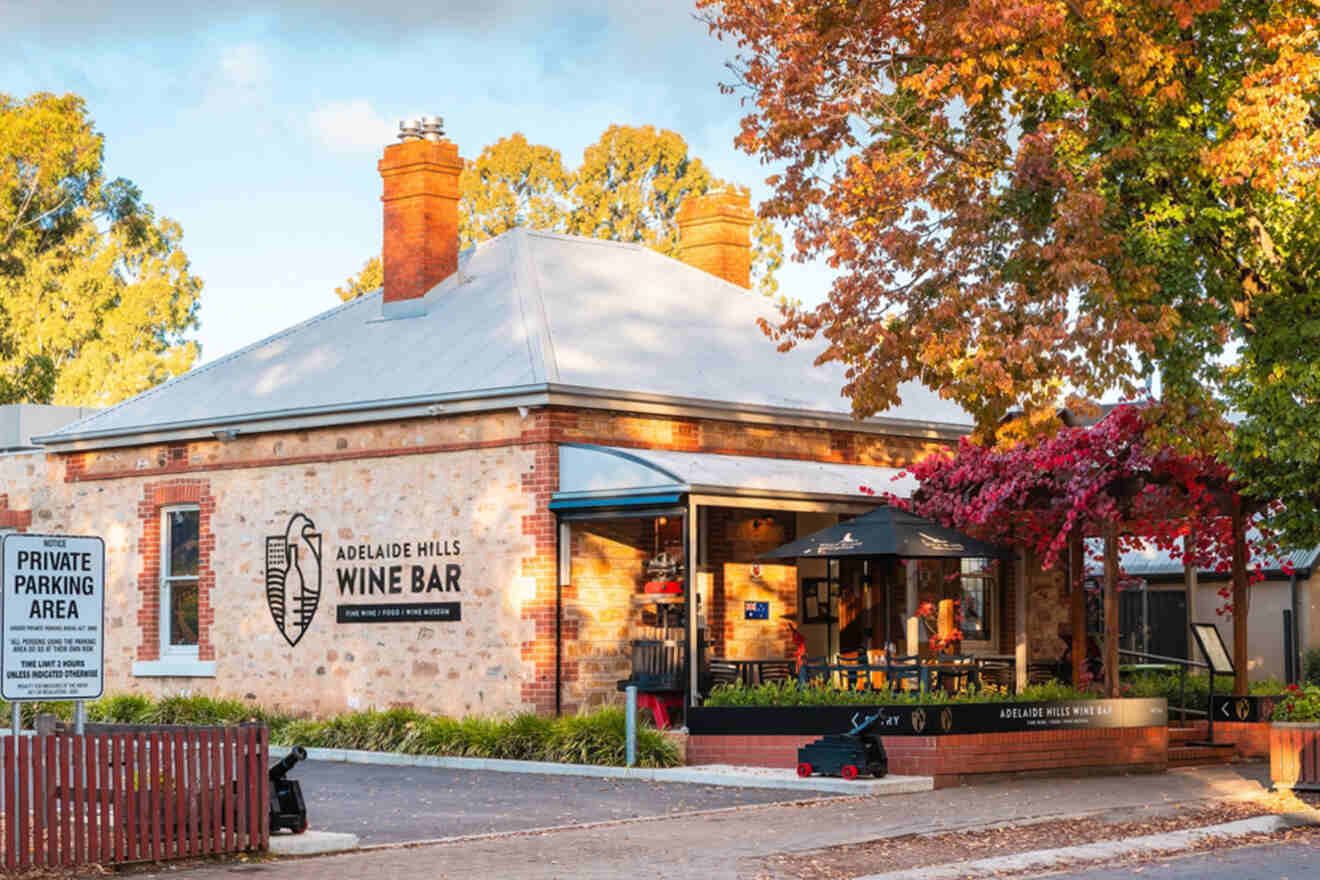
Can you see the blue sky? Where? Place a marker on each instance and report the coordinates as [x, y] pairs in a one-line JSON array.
[[258, 128]]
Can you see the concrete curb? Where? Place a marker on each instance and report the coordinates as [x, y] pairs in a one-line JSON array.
[[721, 775], [312, 843], [1045, 859]]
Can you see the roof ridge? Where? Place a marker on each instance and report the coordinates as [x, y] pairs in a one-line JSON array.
[[205, 368]]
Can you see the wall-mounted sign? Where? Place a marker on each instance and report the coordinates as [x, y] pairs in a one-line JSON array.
[[400, 612], [293, 577], [756, 611], [404, 574], [53, 617]]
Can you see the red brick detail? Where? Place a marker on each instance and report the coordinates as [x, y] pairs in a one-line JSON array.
[[18, 520], [156, 496], [1251, 739], [964, 757], [420, 180], [538, 485]]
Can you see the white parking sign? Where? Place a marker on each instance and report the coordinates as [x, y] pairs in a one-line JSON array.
[[54, 615]]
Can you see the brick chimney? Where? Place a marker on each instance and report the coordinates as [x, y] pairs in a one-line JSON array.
[[714, 234], [420, 176]]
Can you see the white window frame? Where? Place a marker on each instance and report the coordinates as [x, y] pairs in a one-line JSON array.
[[991, 602], [164, 621]]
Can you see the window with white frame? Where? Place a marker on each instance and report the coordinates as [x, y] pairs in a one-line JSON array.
[[179, 557]]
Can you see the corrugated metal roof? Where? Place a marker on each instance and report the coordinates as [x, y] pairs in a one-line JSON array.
[[605, 471], [526, 310], [1152, 562]]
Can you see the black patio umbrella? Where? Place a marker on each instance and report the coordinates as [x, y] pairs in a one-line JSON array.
[[886, 531]]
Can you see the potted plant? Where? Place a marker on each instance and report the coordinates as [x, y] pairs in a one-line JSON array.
[[1295, 739]]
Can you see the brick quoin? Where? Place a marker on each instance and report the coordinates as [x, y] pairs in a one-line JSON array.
[[541, 526], [18, 520], [156, 496]]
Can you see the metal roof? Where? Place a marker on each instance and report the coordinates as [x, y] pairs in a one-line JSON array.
[[1151, 562], [588, 472], [527, 312]]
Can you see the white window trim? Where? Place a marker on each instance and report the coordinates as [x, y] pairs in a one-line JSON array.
[[174, 655], [174, 667], [986, 645]]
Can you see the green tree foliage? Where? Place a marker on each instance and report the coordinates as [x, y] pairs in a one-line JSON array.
[[1029, 201], [96, 296], [628, 188]]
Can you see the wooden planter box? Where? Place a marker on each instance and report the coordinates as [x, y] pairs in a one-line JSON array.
[[1295, 755]]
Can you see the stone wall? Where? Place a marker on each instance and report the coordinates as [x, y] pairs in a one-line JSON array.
[[473, 499], [482, 481]]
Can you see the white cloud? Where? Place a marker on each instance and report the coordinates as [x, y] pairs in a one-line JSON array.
[[350, 126], [245, 66]]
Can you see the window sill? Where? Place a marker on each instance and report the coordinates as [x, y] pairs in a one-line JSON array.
[[174, 668]]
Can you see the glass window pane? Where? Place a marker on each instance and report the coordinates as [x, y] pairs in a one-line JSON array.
[[183, 613], [183, 542], [975, 599]]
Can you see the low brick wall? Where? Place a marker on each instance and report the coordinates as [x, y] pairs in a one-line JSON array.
[[957, 758], [1251, 739]]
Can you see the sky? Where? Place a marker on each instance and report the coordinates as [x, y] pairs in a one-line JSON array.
[[258, 127]]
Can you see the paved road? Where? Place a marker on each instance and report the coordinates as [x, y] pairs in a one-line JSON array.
[[399, 804], [1286, 860], [731, 846]]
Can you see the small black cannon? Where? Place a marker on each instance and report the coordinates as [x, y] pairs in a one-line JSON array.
[[287, 809], [846, 754]]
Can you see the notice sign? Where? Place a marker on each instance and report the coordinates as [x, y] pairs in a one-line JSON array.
[[54, 610]]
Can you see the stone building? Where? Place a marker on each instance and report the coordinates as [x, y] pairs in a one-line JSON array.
[[470, 491]]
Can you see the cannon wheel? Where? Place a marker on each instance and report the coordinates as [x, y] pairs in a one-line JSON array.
[[804, 770], [849, 771]]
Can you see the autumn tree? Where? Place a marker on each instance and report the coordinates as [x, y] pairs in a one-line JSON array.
[[96, 295], [1029, 201], [628, 188]]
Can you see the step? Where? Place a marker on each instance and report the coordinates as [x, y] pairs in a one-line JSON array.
[[1191, 733], [1199, 756]]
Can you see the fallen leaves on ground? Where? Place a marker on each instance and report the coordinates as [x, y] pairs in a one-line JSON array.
[[921, 850]]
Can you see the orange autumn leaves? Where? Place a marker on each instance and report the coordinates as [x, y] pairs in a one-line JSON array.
[[1029, 202]]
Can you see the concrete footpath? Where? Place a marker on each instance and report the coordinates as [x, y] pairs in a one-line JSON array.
[[729, 845]]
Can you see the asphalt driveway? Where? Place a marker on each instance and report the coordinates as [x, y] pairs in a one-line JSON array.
[[383, 804]]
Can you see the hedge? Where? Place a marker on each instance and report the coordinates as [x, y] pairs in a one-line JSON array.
[[591, 738]]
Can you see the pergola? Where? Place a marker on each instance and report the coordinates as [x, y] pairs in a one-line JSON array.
[[1111, 479]]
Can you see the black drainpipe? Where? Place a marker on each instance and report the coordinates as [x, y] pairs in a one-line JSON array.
[[559, 614]]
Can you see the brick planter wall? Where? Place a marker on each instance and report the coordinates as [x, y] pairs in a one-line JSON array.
[[1251, 739], [958, 758]]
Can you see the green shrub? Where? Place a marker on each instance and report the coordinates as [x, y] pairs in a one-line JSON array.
[[596, 738], [1298, 704], [790, 693], [1311, 666]]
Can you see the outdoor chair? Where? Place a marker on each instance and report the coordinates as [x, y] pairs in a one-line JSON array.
[[724, 672], [903, 672], [962, 677], [848, 678], [775, 670]]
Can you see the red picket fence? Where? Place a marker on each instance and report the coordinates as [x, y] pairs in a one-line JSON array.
[[154, 794]]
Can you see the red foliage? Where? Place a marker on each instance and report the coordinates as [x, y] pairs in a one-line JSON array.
[[1087, 478]]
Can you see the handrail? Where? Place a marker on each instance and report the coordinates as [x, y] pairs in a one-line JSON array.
[[1183, 663]]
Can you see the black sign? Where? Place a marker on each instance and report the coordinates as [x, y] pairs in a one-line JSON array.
[[293, 577], [931, 720], [1242, 708], [399, 612]]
